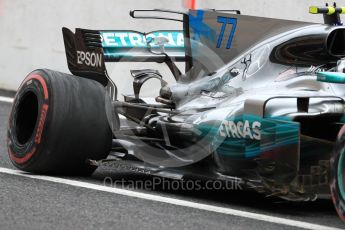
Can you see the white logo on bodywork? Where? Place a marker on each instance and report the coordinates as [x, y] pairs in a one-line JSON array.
[[89, 58], [240, 129]]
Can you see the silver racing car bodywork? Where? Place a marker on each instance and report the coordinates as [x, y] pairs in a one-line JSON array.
[[251, 105]]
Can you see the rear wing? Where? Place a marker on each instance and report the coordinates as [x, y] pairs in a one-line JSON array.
[[88, 50]]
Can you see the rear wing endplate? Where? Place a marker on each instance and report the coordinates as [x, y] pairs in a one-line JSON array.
[[84, 53]]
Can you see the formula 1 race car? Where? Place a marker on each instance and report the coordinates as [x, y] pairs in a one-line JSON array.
[[261, 101]]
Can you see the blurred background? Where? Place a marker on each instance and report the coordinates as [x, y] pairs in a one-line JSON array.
[[31, 38]]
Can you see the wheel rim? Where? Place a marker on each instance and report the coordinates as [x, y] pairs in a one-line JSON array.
[[26, 119]]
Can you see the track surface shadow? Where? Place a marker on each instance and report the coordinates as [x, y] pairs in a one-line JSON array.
[[320, 211]]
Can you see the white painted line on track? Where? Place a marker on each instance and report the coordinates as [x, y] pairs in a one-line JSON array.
[[6, 99], [173, 201]]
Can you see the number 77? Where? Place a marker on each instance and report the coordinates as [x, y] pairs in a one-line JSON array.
[[225, 21]]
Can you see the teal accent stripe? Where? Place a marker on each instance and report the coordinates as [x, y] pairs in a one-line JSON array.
[[275, 133]]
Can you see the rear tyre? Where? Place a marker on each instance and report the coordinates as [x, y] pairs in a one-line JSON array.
[[338, 175], [57, 122]]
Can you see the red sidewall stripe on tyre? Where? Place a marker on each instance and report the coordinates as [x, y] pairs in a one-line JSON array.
[[24, 159], [41, 122], [41, 80]]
